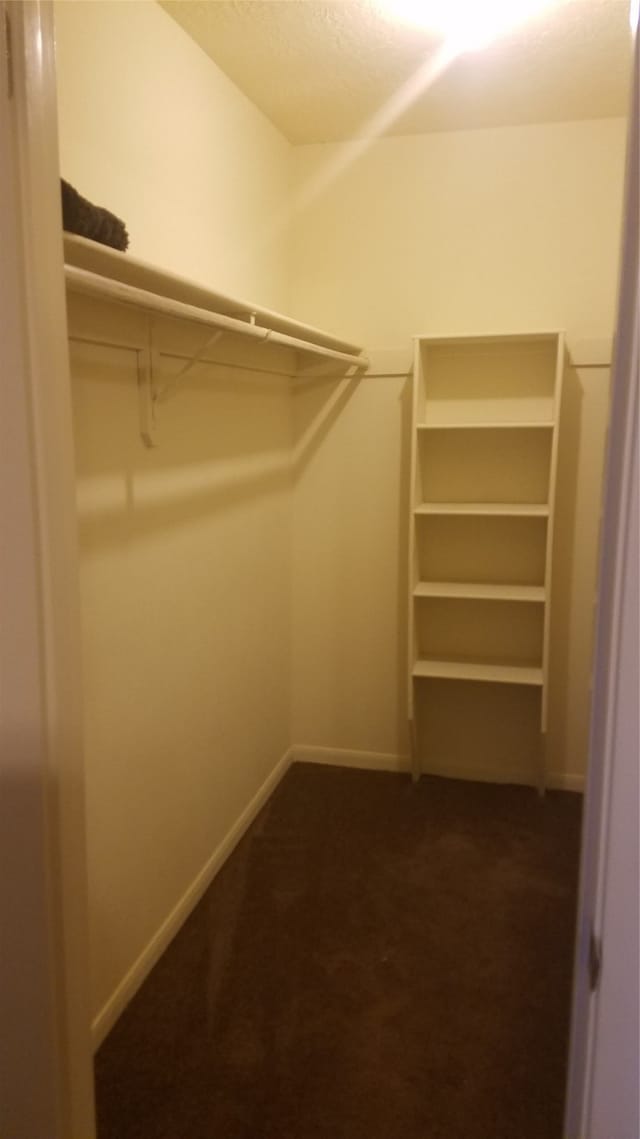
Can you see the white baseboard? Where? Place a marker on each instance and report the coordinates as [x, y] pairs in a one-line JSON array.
[[554, 780], [566, 781], [133, 979], [346, 757], [384, 761]]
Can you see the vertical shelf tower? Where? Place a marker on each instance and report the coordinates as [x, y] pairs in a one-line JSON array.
[[484, 445]]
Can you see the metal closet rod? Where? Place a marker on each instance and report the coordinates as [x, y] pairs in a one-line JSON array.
[[103, 288]]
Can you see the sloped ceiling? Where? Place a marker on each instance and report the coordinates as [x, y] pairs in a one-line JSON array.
[[321, 71]]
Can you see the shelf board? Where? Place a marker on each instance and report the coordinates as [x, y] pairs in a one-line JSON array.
[[486, 673], [480, 592], [517, 509], [489, 339], [123, 268], [519, 425]]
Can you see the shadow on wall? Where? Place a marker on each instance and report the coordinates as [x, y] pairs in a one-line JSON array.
[[325, 398], [227, 435], [218, 448]]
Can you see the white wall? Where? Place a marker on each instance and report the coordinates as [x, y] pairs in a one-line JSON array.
[[185, 550], [500, 229], [187, 574], [185, 587], [154, 131], [484, 231]]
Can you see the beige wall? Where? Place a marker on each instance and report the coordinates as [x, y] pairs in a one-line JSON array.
[[185, 588], [485, 231], [185, 549], [490, 229], [154, 131], [189, 588]]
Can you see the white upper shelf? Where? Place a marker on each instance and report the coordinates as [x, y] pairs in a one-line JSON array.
[[524, 425], [99, 271]]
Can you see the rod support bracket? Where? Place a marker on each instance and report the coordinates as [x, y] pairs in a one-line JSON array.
[[168, 389], [150, 394], [147, 367]]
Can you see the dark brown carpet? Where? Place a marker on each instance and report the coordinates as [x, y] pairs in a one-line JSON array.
[[375, 961]]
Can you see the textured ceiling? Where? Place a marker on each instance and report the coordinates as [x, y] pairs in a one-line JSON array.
[[322, 71]]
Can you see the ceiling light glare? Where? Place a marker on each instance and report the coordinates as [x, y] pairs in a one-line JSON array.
[[466, 25]]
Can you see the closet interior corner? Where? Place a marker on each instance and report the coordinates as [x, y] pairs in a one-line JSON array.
[[336, 586]]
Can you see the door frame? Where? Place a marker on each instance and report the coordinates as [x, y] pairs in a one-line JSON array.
[[604, 1055], [46, 1062]]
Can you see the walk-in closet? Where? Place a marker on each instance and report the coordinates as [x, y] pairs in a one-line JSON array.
[[340, 414]]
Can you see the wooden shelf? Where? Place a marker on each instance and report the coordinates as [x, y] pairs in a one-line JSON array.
[[484, 673], [126, 270], [517, 509], [495, 425], [480, 592], [487, 340]]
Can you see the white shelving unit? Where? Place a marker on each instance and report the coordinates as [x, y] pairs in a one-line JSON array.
[[484, 445]]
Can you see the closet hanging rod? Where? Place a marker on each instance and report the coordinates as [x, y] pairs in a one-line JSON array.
[[103, 288]]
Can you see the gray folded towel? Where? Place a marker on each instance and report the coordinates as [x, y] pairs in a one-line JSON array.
[[82, 217]]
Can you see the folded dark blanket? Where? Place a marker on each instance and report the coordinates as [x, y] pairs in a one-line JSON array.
[[82, 217]]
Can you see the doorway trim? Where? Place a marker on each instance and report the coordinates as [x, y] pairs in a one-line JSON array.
[[46, 1064], [605, 1048]]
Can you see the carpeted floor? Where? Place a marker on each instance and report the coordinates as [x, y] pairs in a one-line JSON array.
[[375, 961]]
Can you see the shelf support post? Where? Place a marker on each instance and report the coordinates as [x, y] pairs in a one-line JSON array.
[[415, 757], [541, 774], [149, 395], [146, 401]]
